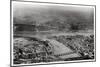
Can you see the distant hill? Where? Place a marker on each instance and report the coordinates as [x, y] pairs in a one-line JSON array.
[[59, 18]]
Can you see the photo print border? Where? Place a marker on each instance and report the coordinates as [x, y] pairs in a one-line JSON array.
[[50, 63]]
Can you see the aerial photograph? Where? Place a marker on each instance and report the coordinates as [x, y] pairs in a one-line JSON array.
[[49, 32]]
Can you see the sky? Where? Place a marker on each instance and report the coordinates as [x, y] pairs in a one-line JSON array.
[[43, 12]]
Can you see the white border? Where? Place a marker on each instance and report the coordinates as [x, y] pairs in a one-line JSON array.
[[58, 62]]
